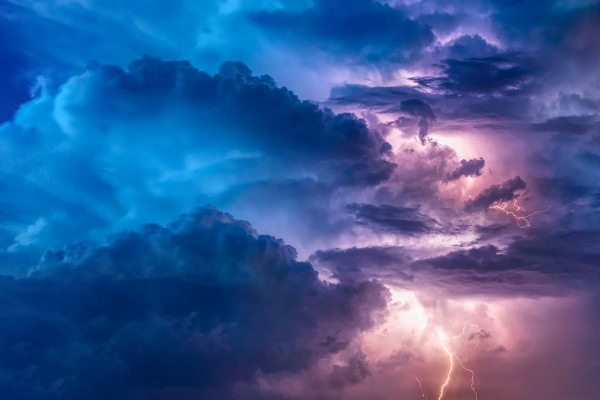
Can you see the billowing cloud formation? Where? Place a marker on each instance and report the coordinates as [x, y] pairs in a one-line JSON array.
[[495, 193], [180, 311], [261, 108], [161, 136], [470, 167]]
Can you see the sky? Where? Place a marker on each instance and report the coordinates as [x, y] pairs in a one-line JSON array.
[[300, 200]]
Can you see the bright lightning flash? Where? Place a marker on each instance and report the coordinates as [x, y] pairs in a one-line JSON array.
[[517, 212], [451, 357]]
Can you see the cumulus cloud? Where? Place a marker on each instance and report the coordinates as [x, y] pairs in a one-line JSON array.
[[115, 146], [189, 309]]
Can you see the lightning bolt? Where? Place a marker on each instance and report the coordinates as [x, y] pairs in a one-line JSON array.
[[452, 356], [472, 376], [450, 369], [523, 220], [421, 387]]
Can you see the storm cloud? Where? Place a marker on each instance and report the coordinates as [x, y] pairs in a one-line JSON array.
[[388, 218], [496, 193], [164, 311], [374, 136], [470, 168]]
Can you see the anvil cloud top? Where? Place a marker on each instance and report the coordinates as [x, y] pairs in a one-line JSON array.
[[317, 200]]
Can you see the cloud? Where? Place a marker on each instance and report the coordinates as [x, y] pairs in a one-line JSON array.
[[570, 124], [206, 307], [542, 263], [483, 75], [387, 218], [167, 310], [114, 147], [423, 111], [29, 236], [470, 167], [470, 46], [356, 264], [495, 193], [364, 31], [355, 371]]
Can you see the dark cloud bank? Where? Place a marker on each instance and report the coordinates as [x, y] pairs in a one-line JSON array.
[[535, 264], [176, 312]]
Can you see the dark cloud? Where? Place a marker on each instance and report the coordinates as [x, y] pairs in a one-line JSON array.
[[192, 308], [536, 264], [495, 193], [440, 22], [149, 140], [273, 118], [486, 258], [570, 125], [565, 189], [470, 167], [506, 73], [387, 218], [423, 111], [355, 371], [489, 231], [470, 46], [364, 31], [357, 264], [454, 111], [567, 258]]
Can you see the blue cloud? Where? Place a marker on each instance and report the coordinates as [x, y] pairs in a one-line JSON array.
[[194, 307], [114, 148]]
